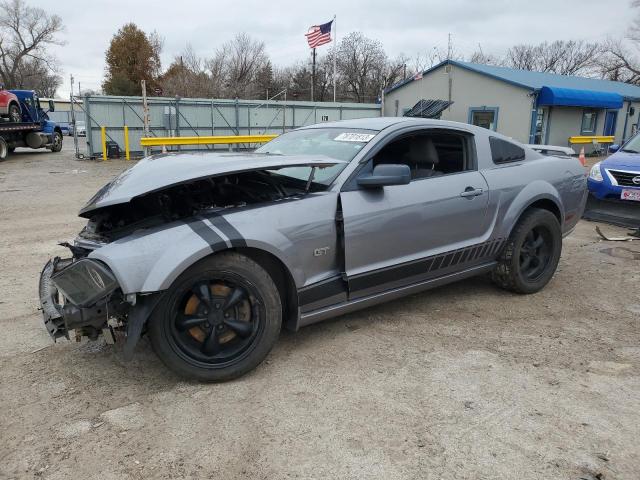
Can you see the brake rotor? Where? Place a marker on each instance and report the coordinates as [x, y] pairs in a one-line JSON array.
[[219, 291]]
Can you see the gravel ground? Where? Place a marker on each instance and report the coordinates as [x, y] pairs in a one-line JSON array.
[[465, 381]]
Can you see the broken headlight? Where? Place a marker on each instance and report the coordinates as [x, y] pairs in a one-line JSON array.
[[85, 282]]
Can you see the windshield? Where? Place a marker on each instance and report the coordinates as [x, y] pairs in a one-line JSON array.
[[633, 145], [337, 143]]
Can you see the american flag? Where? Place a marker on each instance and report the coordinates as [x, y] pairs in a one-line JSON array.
[[319, 34]]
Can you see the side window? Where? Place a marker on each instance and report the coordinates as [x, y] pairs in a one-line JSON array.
[[428, 155], [505, 152]]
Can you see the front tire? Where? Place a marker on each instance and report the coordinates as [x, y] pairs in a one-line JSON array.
[[531, 255], [4, 149], [56, 144], [218, 320]]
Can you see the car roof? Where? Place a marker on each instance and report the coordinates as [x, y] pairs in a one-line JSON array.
[[380, 123]]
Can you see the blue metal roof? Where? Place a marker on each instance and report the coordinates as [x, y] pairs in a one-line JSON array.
[[570, 97], [537, 80]]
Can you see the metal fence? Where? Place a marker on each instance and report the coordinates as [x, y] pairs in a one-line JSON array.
[[201, 117]]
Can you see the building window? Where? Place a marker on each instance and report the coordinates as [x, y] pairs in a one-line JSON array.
[[589, 118], [485, 117]]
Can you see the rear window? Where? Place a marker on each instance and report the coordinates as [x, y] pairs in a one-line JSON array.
[[505, 152]]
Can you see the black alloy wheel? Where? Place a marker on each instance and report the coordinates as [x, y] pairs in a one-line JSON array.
[[531, 253], [535, 252], [218, 320]]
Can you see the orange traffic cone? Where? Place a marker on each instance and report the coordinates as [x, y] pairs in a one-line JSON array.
[[581, 157]]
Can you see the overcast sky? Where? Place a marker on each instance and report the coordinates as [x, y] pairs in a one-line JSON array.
[[403, 26]]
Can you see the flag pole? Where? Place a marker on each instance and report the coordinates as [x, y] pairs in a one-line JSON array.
[[335, 55], [313, 71]]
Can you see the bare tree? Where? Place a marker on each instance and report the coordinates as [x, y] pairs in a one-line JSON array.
[[620, 60], [479, 56], [35, 75], [187, 77], [25, 34], [238, 62], [362, 63], [572, 57]]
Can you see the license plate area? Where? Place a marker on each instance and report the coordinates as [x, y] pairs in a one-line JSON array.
[[631, 194]]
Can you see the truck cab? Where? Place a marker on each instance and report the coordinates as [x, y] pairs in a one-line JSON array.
[[35, 130]]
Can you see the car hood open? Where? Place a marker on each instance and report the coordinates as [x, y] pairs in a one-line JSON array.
[[165, 170]]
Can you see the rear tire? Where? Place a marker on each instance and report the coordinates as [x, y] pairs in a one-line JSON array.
[[218, 320], [530, 257]]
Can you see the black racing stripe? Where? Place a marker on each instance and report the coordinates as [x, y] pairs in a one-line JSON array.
[[321, 290], [207, 234], [426, 267], [229, 230]]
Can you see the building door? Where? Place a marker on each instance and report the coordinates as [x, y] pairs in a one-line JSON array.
[[610, 121], [542, 120]]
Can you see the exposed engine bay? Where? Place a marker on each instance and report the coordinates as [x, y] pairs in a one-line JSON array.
[[188, 199]]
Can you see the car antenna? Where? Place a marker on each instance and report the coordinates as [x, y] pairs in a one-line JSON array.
[[311, 175]]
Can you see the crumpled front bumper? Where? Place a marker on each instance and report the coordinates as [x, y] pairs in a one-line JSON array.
[[50, 299], [88, 302]]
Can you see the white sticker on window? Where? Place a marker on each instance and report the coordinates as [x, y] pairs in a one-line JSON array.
[[354, 137]]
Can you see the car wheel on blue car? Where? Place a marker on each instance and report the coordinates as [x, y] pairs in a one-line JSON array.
[[531, 255], [218, 320]]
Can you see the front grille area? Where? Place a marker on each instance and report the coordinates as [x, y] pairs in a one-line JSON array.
[[625, 179]]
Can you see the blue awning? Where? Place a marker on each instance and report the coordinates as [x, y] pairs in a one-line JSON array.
[[569, 97]]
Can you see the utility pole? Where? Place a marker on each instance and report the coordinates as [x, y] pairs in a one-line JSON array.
[[73, 119], [335, 55], [449, 79], [284, 112], [145, 114]]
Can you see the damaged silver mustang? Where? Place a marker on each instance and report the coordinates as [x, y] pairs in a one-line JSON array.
[[211, 254]]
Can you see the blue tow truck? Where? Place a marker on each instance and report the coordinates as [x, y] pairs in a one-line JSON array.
[[35, 130]]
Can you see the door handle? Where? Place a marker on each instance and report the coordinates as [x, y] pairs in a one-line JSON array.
[[471, 192]]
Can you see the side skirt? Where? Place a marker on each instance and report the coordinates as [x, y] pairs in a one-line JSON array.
[[370, 300]]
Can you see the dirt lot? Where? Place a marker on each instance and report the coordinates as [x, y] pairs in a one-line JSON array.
[[465, 381]]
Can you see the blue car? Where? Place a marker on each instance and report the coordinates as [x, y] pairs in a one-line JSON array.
[[618, 177]]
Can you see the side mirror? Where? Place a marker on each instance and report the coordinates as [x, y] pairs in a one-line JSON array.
[[52, 106], [386, 175], [614, 148]]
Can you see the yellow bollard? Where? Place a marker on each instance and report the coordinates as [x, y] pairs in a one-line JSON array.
[[127, 154], [103, 135]]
